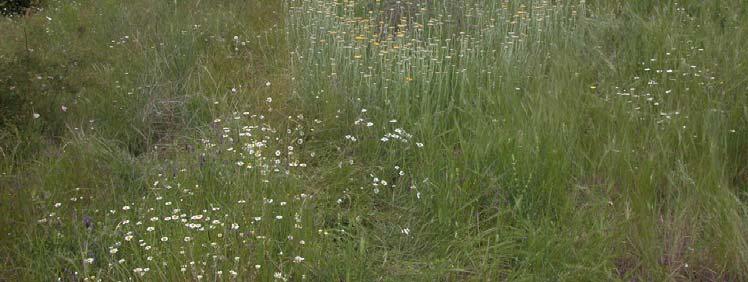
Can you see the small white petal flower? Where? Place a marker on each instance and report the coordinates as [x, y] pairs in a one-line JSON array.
[[405, 231]]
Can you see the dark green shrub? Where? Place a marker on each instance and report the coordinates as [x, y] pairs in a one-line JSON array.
[[11, 7]]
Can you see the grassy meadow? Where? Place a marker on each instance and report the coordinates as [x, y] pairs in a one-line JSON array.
[[374, 140]]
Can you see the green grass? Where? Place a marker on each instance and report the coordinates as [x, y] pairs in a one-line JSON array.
[[375, 140]]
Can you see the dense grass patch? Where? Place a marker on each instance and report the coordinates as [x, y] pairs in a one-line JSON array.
[[375, 140], [606, 126]]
